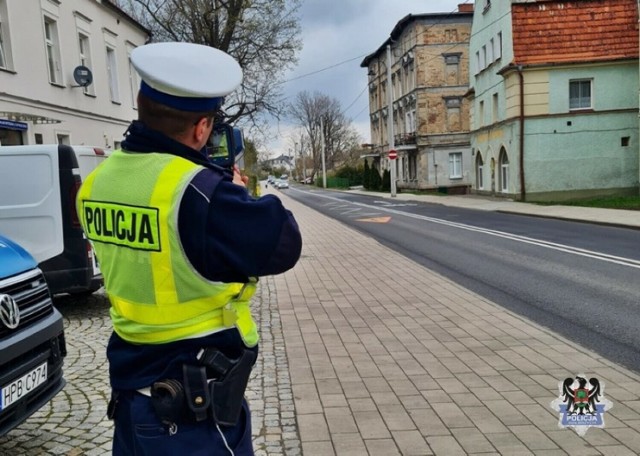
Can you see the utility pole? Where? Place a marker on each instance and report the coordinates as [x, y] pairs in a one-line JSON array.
[[295, 160], [324, 169], [304, 167], [392, 163]]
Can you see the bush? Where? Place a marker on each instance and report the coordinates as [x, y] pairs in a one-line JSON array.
[[337, 182], [386, 181], [375, 181], [366, 175], [353, 174]]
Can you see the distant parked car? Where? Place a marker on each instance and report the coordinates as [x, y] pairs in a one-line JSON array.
[[282, 183]]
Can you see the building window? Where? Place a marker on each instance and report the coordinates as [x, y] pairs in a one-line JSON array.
[[504, 171], [38, 138], [624, 141], [481, 114], [483, 58], [85, 58], [5, 43], [452, 68], [454, 121], [63, 139], [410, 121], [479, 171], [451, 35], [497, 52], [494, 110], [580, 94], [133, 79], [3, 60], [451, 59], [413, 165], [478, 69], [112, 73], [455, 165], [52, 45], [490, 52], [453, 102]]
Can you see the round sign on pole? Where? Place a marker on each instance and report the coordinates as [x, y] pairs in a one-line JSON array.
[[393, 154]]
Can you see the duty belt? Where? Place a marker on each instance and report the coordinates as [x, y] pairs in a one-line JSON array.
[[197, 397]]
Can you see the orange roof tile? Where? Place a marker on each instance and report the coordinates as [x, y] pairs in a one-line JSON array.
[[574, 31]]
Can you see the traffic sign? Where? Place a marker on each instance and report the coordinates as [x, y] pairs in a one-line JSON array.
[[393, 154]]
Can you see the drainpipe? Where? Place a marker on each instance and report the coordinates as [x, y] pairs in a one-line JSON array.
[[523, 191]]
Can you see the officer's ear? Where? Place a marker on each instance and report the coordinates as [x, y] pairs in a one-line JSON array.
[[202, 130]]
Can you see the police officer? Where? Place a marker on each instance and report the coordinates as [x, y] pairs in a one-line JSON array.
[[181, 244]]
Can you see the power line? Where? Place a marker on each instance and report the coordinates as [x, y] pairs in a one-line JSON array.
[[362, 110], [359, 56], [353, 102], [323, 69]]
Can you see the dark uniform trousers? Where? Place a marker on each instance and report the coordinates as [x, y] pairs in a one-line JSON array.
[[138, 432]]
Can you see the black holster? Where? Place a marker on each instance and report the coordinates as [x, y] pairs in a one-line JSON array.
[[227, 392], [197, 397]]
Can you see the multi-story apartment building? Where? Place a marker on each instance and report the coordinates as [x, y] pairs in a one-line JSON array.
[[554, 98], [429, 78], [42, 44]]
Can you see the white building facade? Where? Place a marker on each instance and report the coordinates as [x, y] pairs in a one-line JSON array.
[[42, 44]]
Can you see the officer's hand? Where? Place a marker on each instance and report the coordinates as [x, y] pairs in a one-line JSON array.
[[239, 178]]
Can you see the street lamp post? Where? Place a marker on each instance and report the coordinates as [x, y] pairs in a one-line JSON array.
[[295, 159], [324, 168], [304, 166], [392, 163]]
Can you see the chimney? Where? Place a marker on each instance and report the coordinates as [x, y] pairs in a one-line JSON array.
[[465, 8]]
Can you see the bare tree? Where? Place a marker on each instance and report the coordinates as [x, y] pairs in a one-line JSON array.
[[311, 111], [263, 35]]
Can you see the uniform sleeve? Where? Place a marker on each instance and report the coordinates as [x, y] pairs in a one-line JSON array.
[[229, 236]]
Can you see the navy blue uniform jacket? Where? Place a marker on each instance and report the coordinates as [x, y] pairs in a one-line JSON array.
[[227, 235]]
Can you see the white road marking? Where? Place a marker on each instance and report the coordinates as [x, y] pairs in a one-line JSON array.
[[514, 237]]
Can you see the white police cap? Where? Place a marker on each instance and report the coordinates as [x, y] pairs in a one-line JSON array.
[[186, 76]]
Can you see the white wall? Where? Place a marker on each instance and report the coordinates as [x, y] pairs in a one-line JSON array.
[[88, 117]]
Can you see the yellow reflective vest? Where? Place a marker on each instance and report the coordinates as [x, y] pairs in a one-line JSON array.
[[128, 208]]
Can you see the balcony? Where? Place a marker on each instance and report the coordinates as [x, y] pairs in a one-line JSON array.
[[403, 139]]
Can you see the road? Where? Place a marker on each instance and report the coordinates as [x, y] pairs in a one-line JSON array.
[[581, 280]]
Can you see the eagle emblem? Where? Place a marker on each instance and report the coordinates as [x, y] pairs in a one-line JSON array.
[[581, 403]]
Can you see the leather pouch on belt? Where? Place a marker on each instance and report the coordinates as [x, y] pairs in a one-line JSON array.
[[196, 390], [227, 393]]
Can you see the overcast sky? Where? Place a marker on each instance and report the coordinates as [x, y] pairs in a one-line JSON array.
[[336, 31]]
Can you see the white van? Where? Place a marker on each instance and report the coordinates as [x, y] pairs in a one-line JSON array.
[[88, 158], [38, 188]]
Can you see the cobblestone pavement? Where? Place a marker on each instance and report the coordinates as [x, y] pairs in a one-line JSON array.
[[74, 422]]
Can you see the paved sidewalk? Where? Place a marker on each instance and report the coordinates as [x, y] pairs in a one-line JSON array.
[[411, 363]]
